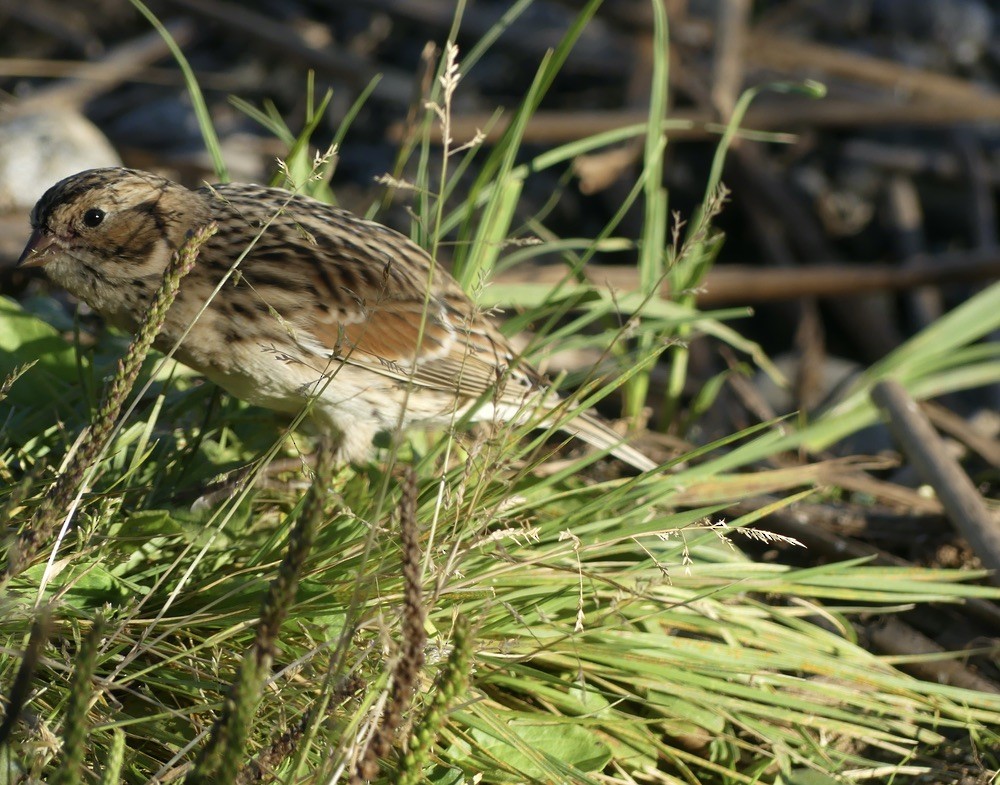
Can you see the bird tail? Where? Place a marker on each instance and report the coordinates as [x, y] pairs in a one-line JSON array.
[[598, 433]]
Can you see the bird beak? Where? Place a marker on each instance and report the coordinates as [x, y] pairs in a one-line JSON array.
[[35, 252]]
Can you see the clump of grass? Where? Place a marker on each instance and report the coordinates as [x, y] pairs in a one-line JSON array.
[[224, 753], [411, 659], [61, 499], [20, 689], [75, 725], [452, 682], [111, 772], [276, 753]]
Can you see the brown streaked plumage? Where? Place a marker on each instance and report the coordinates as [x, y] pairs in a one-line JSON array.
[[325, 305]]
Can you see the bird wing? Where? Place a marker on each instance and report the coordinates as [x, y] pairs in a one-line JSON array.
[[423, 343], [365, 294], [357, 291]]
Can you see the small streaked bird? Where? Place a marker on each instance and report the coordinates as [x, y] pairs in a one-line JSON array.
[[324, 305]]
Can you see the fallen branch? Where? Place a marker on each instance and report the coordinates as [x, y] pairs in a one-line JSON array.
[[739, 284], [926, 451], [786, 114]]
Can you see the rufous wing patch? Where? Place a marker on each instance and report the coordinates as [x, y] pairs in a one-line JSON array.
[[397, 333]]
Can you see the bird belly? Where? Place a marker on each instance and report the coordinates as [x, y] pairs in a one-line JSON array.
[[343, 395]]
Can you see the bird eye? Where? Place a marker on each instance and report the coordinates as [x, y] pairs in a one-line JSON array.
[[93, 217]]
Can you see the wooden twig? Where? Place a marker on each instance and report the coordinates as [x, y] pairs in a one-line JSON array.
[[837, 280], [887, 492], [742, 284], [987, 447], [732, 21], [785, 114], [796, 56], [84, 70], [926, 451], [892, 636]]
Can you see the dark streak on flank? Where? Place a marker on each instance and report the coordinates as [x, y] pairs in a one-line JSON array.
[[277, 255]]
